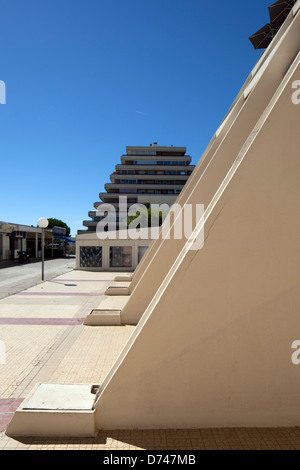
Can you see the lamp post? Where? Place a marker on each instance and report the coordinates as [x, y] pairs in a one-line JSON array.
[[43, 223]]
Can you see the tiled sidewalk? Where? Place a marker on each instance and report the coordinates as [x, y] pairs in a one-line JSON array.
[[46, 342], [7, 408], [185, 440]]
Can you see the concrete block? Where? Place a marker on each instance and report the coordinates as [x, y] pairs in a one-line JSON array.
[[99, 317], [56, 410]]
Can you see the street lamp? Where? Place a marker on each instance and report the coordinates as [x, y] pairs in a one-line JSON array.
[[43, 223]]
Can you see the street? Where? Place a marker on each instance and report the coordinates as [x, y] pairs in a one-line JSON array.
[[18, 277]]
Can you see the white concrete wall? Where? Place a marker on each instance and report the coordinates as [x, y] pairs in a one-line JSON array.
[[214, 345], [4, 241], [217, 159], [5, 247]]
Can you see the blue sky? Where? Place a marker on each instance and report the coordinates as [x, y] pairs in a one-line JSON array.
[[85, 78]]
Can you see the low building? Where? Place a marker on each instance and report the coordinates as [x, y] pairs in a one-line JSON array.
[[117, 253], [18, 237]]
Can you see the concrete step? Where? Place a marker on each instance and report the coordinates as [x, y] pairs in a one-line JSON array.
[[56, 410], [117, 290], [102, 317], [124, 278]]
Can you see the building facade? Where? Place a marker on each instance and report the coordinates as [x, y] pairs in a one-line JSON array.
[[116, 254], [17, 237], [146, 175]]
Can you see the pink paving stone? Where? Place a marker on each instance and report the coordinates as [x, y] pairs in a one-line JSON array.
[[4, 402], [15, 405], [8, 407], [4, 422], [3, 409]]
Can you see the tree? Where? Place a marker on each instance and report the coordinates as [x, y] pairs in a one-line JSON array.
[[59, 223], [155, 216]]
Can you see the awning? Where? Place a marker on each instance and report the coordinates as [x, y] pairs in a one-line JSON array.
[[66, 239], [263, 37], [69, 240], [278, 12]]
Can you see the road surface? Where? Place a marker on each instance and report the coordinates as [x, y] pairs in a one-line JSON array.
[[18, 277]]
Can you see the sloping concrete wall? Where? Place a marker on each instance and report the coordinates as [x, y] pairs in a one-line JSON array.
[[213, 347], [216, 161], [214, 143]]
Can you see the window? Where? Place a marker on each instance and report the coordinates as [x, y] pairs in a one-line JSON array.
[[160, 162], [127, 191], [91, 256], [120, 256], [128, 181], [133, 152], [146, 182], [144, 162], [141, 251], [173, 163]]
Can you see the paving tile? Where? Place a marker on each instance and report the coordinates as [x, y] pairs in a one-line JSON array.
[[47, 342], [7, 408]]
